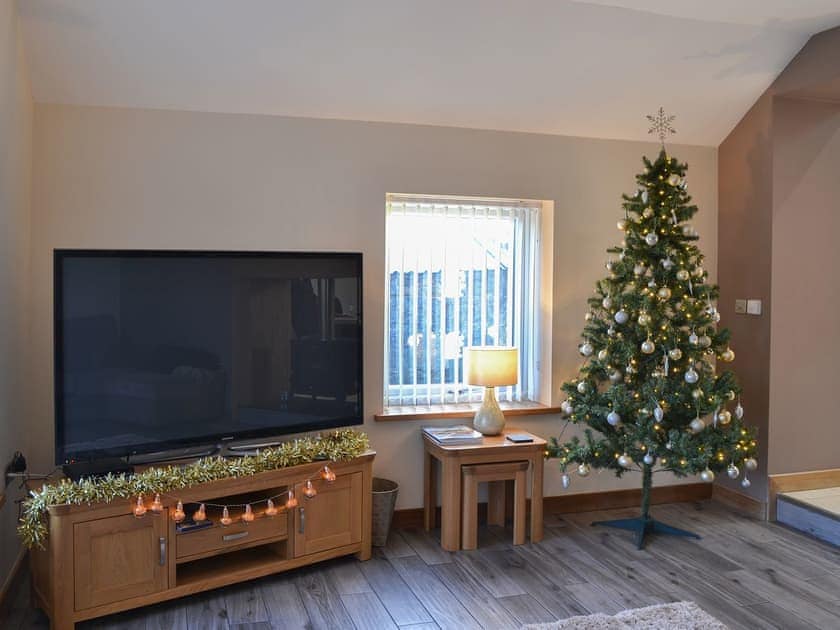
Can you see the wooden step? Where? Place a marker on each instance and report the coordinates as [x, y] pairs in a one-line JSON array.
[[815, 512]]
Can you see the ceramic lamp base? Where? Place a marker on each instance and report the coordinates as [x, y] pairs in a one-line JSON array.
[[489, 419]]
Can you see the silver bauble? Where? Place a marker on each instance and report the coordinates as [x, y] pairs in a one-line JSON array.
[[750, 463], [673, 179], [724, 417], [732, 471], [611, 331], [581, 387], [691, 376], [615, 377], [607, 302], [705, 341], [648, 459], [707, 475], [664, 293], [669, 445], [745, 482], [667, 263], [683, 275], [697, 393], [716, 317], [644, 196], [566, 481], [648, 347], [638, 270], [586, 349], [644, 319], [698, 272], [621, 317], [602, 355], [625, 461], [693, 339], [739, 411], [583, 470], [697, 425], [622, 224], [675, 354], [609, 265], [651, 238], [613, 418], [658, 413], [566, 407], [647, 213], [728, 355]]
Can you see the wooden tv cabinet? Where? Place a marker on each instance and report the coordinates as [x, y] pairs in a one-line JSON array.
[[100, 559]]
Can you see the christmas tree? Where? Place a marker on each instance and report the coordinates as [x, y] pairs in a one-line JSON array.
[[648, 389]]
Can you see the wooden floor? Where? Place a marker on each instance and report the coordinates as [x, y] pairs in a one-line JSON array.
[[746, 573]]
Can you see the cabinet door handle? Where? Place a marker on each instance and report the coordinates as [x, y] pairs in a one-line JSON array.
[[162, 560], [302, 527], [237, 536]]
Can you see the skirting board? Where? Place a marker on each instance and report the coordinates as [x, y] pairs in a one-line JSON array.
[[790, 482], [741, 503], [6, 588], [583, 502]]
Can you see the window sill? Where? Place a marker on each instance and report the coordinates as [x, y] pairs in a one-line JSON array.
[[463, 410]]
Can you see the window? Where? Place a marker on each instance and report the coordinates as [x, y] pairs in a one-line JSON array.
[[460, 272]]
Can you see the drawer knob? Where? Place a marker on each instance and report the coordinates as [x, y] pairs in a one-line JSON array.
[[237, 536]]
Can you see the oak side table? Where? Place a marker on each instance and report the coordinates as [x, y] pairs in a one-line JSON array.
[[493, 450]]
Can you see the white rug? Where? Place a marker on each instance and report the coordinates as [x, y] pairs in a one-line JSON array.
[[676, 616]]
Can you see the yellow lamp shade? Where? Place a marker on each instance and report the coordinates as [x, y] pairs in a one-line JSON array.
[[492, 366]]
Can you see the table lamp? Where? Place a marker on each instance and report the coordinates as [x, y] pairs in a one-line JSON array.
[[491, 367]]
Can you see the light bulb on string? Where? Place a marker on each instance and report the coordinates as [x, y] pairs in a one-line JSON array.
[[226, 519], [178, 515], [200, 514], [248, 515], [139, 508], [291, 500], [309, 490], [327, 474], [270, 509], [157, 506]]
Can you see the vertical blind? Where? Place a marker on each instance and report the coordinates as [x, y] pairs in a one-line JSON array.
[[460, 273]]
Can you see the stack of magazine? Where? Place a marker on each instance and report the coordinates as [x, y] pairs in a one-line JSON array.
[[454, 436]]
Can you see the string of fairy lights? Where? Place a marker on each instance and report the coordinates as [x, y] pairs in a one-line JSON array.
[[273, 504]]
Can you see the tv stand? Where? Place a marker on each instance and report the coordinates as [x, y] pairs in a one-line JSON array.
[[100, 559]]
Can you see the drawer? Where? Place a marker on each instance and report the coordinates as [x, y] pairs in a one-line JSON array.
[[239, 534]]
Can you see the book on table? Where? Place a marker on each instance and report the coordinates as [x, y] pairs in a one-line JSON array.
[[450, 436]]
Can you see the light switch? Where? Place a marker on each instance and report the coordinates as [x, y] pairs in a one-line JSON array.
[[754, 307], [740, 306]]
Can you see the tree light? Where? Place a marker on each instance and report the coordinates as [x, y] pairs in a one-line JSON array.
[[291, 501], [309, 489], [270, 509], [200, 515], [248, 515], [139, 509], [226, 519], [178, 515], [157, 506]]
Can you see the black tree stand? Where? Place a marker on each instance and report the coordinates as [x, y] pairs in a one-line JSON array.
[[645, 524]]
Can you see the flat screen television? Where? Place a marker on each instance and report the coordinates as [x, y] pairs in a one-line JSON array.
[[160, 350]]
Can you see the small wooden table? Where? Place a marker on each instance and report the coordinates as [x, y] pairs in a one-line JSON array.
[[493, 450]]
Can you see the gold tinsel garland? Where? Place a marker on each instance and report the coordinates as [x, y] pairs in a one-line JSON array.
[[339, 445]]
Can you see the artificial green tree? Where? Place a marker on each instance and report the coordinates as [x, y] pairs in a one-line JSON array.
[[649, 390]]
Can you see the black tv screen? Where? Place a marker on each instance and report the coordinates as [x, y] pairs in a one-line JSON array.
[[156, 350]]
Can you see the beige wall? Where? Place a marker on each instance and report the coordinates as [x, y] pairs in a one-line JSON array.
[[15, 170], [118, 178], [778, 200], [745, 183], [806, 298]]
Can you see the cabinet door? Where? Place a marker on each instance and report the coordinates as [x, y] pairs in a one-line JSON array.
[[118, 558], [333, 518]]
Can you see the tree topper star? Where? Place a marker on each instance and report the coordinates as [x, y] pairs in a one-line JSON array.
[[661, 125]]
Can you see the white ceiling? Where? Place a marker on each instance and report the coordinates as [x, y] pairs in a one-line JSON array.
[[590, 68]]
